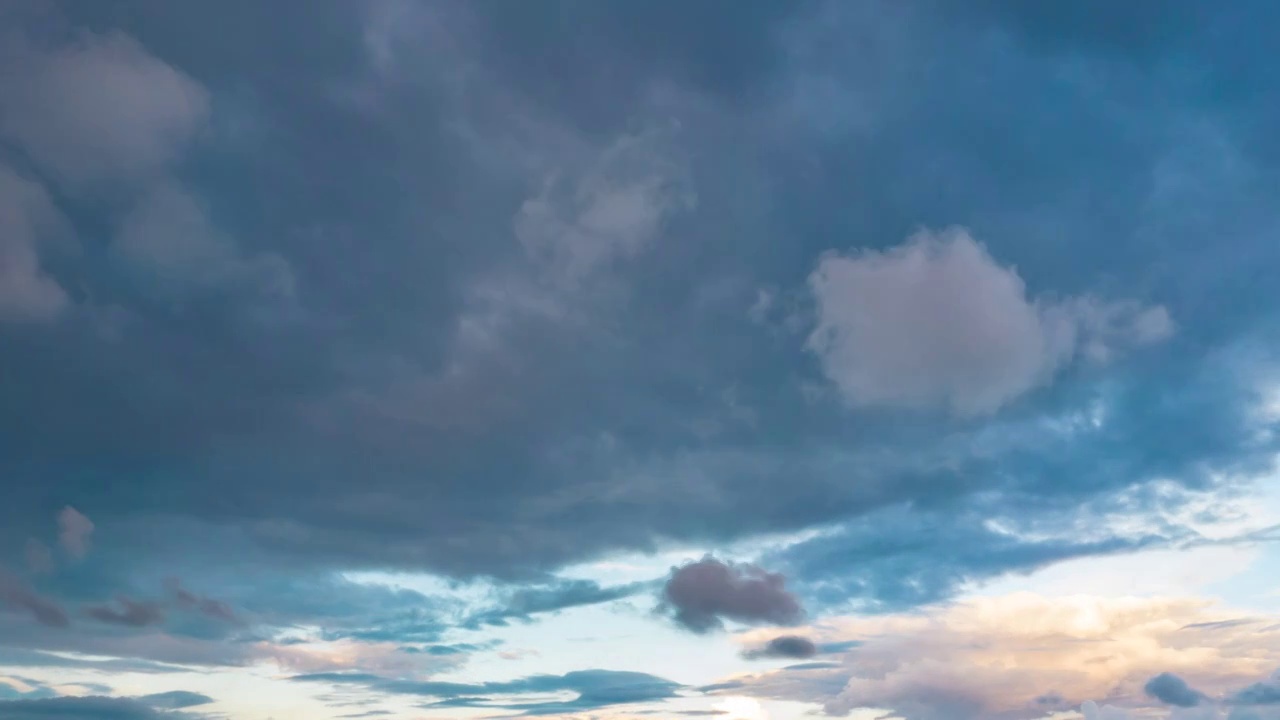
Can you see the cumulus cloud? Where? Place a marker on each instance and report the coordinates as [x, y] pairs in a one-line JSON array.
[[703, 594], [582, 222], [998, 658], [938, 323], [99, 108], [794, 647], [74, 530], [130, 613], [27, 216], [1172, 690]]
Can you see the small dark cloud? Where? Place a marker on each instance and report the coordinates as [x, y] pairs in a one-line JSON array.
[[175, 700], [1172, 690], [1051, 699], [812, 666], [784, 646], [370, 713], [703, 594], [130, 613], [209, 607]]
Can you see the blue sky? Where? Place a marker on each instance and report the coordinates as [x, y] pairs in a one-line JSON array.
[[601, 359]]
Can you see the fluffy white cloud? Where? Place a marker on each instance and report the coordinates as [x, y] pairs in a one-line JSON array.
[[937, 322], [27, 292], [98, 109], [1022, 656]]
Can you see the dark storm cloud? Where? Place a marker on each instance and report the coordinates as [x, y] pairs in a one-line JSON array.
[[297, 305], [1172, 690], [594, 688], [702, 594]]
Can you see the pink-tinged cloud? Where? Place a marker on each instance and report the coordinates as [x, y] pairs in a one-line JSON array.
[[74, 530]]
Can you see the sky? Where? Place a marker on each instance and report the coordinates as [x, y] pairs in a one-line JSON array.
[[608, 360]]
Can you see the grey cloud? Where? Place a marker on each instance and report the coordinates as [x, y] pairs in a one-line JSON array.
[[27, 215], [175, 699], [524, 602], [209, 607], [1261, 693], [1172, 690], [16, 593], [702, 594], [98, 107], [784, 646], [171, 247], [938, 323], [131, 613], [566, 440], [595, 689], [87, 708], [39, 557], [610, 211]]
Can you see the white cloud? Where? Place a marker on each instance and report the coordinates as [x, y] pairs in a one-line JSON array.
[[999, 658], [613, 209], [99, 109], [27, 292], [937, 323]]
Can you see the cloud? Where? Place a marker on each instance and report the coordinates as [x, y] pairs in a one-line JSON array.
[[1261, 693], [27, 216], [87, 708], [169, 244], [1091, 711], [16, 593], [98, 108], [997, 658], [1172, 690], [524, 602], [74, 530], [39, 557], [784, 646], [704, 593], [582, 222], [175, 699], [595, 689], [130, 613], [209, 607], [937, 323]]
